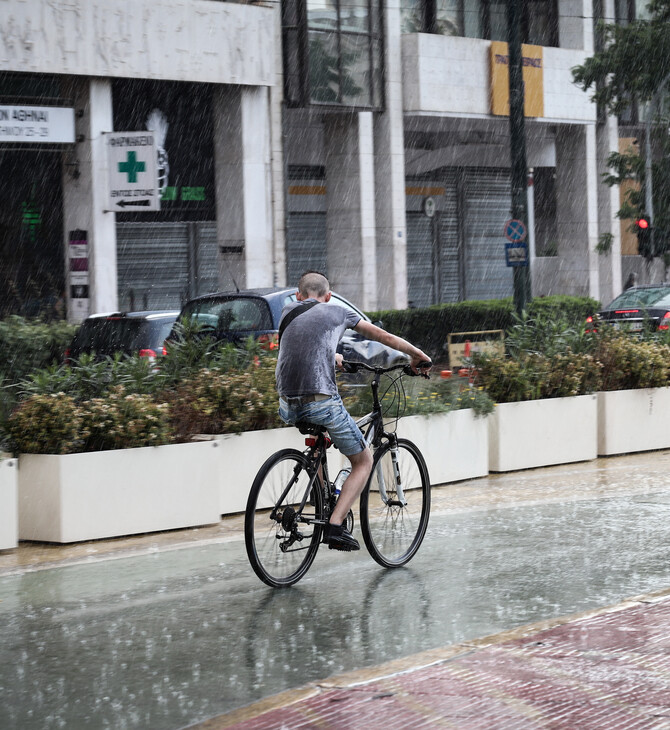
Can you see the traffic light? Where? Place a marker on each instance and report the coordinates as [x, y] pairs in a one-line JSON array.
[[643, 228]]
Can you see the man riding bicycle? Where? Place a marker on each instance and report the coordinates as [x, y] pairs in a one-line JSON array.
[[309, 335]]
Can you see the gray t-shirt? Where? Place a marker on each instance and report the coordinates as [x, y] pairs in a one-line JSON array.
[[306, 363]]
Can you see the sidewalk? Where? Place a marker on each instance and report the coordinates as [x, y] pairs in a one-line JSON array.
[[608, 668]]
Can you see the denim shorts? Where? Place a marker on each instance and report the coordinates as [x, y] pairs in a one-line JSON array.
[[332, 414]]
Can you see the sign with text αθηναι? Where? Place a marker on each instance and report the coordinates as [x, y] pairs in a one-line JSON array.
[[133, 172]]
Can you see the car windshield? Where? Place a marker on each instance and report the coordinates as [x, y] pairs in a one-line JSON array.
[[230, 314], [658, 296]]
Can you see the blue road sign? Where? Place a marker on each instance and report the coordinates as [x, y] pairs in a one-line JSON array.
[[515, 230]]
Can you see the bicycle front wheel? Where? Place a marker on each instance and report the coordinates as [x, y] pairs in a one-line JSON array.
[[394, 516], [281, 538]]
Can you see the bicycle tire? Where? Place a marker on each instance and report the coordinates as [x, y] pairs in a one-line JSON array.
[[393, 532], [273, 559]]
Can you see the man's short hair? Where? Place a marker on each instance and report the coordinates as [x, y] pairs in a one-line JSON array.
[[314, 283]]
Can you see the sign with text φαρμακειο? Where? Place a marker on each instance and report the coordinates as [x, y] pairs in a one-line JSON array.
[[133, 172]]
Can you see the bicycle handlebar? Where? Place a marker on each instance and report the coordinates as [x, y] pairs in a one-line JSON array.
[[353, 367]]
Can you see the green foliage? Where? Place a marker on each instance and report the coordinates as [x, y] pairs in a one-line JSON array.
[[633, 61], [121, 420], [192, 350], [214, 401], [629, 362], [534, 375], [57, 424], [46, 424], [26, 345], [429, 327], [631, 69], [541, 364], [547, 335]]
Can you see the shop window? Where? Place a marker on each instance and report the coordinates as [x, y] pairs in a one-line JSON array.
[[333, 53], [481, 19]]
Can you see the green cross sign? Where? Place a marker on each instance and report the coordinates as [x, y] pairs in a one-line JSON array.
[[131, 167]]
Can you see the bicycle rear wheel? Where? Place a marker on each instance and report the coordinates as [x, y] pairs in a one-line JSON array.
[[394, 525], [280, 540]]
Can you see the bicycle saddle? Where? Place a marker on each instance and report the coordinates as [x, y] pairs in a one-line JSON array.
[[312, 428]]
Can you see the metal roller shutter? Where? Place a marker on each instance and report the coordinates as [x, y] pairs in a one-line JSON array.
[[152, 265], [207, 259], [306, 245], [449, 263], [419, 260], [487, 207]]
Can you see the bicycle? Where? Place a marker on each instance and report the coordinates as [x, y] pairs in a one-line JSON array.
[[292, 497]]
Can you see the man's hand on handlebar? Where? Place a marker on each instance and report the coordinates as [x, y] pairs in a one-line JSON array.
[[420, 364]]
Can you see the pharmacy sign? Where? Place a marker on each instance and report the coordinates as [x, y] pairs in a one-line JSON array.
[[133, 172]]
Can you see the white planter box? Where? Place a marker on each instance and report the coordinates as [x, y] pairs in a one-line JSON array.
[[455, 445], [9, 519], [633, 420], [542, 432], [241, 455], [112, 493]]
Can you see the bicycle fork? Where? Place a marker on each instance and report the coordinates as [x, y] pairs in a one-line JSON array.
[[400, 500]]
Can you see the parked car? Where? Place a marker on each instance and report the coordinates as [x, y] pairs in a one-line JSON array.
[[638, 308], [235, 316], [130, 333]]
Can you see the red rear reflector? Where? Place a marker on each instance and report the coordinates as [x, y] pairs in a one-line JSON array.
[[310, 441], [147, 353]]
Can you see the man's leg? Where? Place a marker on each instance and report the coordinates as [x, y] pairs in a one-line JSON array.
[[361, 464]]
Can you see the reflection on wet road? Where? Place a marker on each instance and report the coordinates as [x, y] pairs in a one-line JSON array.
[[165, 639]]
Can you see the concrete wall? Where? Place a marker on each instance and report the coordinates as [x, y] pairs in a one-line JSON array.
[[450, 75], [198, 40]]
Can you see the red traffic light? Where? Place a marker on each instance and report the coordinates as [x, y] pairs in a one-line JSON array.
[[643, 223]]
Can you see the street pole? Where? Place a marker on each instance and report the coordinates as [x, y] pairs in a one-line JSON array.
[[517, 144], [648, 188]]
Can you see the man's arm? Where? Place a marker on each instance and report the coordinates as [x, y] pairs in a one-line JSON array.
[[372, 332]]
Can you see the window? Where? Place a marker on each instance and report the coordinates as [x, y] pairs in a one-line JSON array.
[[481, 19], [333, 53]]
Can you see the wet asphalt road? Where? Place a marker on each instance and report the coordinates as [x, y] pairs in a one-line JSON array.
[[170, 635]]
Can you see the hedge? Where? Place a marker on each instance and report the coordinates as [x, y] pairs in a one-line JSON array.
[[428, 327]]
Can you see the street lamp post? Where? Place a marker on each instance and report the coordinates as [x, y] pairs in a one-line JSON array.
[[517, 144], [648, 188]]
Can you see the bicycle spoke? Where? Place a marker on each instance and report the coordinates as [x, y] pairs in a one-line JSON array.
[[281, 541], [394, 525]]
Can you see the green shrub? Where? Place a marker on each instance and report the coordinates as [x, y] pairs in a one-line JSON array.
[[123, 420], [429, 327], [212, 401], [631, 363], [27, 345], [533, 375], [46, 424]]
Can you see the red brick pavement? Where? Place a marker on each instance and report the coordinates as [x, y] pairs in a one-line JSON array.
[[609, 669]]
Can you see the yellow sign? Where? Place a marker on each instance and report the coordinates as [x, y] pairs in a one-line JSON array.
[[532, 80], [461, 345]]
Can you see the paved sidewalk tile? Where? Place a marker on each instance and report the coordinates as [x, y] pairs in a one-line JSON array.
[[606, 670]]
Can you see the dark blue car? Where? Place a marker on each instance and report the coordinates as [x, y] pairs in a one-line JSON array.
[[235, 316]]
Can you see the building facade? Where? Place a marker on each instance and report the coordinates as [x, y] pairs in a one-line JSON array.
[[367, 139]]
